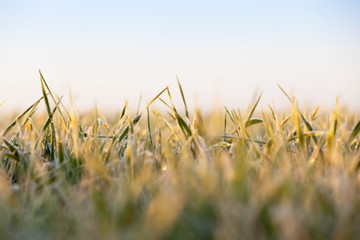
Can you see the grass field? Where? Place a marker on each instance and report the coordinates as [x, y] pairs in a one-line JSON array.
[[149, 174]]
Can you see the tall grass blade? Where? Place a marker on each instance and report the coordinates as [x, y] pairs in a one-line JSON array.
[[123, 110], [46, 125], [299, 130], [183, 98], [52, 96], [170, 98], [149, 129], [171, 128], [183, 125], [354, 132], [253, 109], [313, 115], [288, 97], [308, 125], [333, 127], [18, 118], [9, 145], [126, 130], [157, 96], [285, 121], [50, 119]]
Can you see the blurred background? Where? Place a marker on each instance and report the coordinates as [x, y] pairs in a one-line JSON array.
[[223, 51]]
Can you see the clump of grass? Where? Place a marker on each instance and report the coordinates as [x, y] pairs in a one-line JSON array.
[[167, 175]]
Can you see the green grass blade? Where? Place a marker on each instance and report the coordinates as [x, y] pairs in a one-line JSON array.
[[50, 119], [126, 130], [9, 145], [183, 98], [149, 129], [31, 113], [308, 125], [167, 124], [167, 105], [157, 96], [13, 123], [333, 128], [232, 120], [183, 125], [253, 108], [123, 110], [66, 111], [46, 125], [11, 156], [354, 132], [253, 122], [52, 96]]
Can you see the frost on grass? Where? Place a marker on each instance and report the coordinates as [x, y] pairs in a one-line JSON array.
[[173, 174]]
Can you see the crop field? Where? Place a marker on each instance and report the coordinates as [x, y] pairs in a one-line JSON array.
[[169, 173]]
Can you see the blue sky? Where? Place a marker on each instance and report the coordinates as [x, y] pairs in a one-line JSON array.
[[116, 50]]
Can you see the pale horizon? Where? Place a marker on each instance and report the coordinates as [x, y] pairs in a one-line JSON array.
[[226, 50]]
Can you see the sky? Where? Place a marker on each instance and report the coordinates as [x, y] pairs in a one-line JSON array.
[[224, 52]]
